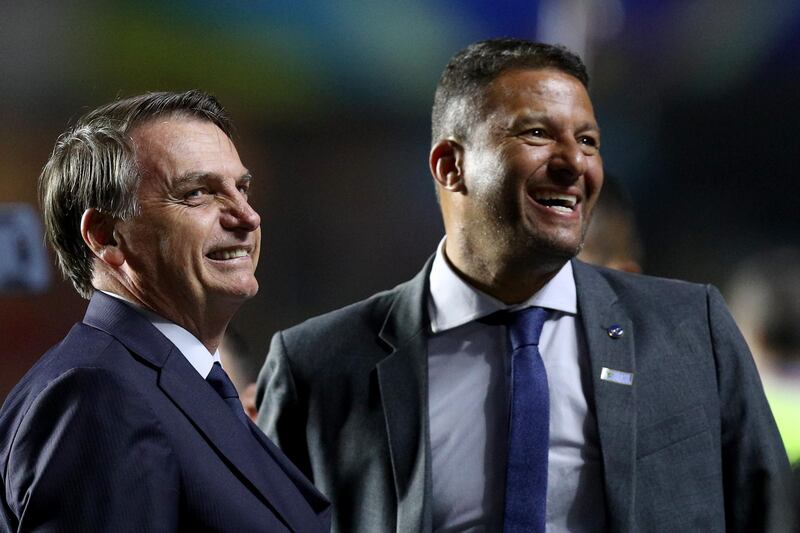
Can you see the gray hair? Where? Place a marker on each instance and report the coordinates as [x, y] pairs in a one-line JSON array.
[[93, 165], [458, 101]]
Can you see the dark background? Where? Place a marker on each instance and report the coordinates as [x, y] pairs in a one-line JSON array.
[[698, 102]]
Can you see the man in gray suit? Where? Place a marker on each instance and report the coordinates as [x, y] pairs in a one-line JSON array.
[[399, 408]]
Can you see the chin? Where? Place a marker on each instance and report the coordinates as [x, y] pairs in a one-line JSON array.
[[544, 249], [239, 293]]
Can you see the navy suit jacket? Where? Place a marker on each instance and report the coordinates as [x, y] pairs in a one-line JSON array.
[[114, 430], [690, 445]]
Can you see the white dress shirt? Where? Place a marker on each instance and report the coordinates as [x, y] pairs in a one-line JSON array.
[[469, 407], [192, 349]]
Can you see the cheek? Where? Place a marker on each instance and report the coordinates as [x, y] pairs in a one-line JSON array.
[[594, 179], [257, 252]]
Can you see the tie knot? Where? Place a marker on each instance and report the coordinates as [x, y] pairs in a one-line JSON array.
[[525, 326], [218, 379]]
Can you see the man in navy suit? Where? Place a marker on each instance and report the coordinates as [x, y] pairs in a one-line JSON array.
[[130, 423]]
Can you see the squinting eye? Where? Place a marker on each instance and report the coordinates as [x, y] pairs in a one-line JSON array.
[[537, 132], [195, 194], [589, 141]]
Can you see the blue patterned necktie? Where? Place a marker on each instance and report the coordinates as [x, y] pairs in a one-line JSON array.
[[221, 383], [529, 425]]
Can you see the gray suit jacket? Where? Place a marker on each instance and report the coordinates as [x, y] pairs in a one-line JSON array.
[[690, 446]]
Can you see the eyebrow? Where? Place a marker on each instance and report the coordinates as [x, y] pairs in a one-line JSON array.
[[527, 118], [194, 177]]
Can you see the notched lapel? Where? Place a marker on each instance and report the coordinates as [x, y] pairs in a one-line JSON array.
[[224, 432], [615, 403], [403, 385], [205, 409]]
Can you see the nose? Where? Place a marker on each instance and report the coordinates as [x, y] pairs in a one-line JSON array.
[[568, 161], [238, 214]]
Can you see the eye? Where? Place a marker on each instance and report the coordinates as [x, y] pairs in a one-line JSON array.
[[589, 141], [536, 132], [196, 195], [244, 188]]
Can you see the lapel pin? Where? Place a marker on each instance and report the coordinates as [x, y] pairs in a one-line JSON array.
[[615, 331], [616, 376]]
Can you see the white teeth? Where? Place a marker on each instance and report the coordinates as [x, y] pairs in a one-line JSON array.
[[228, 254], [569, 199], [561, 209]]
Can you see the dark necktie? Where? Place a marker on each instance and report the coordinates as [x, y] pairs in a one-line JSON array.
[[529, 425], [221, 383]]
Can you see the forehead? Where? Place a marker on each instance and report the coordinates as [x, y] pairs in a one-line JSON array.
[[539, 91], [170, 147]]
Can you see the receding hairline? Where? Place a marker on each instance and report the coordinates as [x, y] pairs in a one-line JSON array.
[[461, 88], [476, 104], [172, 115]]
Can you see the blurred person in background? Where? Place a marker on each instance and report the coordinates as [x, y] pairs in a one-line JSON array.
[[612, 239], [764, 295], [130, 423], [508, 386], [238, 363]]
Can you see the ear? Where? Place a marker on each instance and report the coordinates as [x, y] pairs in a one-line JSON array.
[[446, 162], [99, 233]]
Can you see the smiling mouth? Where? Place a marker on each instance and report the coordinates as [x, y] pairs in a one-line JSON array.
[[561, 203], [225, 255]]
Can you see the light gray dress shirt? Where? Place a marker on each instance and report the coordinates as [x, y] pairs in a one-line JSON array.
[[469, 405], [190, 346]]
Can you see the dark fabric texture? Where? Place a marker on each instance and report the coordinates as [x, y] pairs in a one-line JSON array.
[[223, 385], [114, 430]]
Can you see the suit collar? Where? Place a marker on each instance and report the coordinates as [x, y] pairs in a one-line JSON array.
[[204, 408], [402, 377], [190, 346], [403, 385], [453, 302], [236, 443], [118, 319], [615, 404]]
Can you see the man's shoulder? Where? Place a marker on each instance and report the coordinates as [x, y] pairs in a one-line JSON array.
[[351, 320], [82, 347], [638, 286], [85, 368]]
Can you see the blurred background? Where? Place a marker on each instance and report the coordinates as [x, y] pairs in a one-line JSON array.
[[698, 100]]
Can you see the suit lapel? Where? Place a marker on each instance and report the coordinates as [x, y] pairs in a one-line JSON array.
[[403, 384], [615, 403], [204, 408], [315, 499]]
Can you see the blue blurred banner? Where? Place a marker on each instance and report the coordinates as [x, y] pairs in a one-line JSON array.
[[23, 258]]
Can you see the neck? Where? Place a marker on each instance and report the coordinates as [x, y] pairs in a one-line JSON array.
[[206, 322], [510, 281]]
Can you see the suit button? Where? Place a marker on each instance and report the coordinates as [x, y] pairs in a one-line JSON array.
[[616, 331]]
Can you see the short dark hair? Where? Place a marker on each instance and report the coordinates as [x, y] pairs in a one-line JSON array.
[[458, 100], [93, 165]]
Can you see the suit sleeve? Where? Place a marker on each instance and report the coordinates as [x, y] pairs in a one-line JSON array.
[[89, 456], [755, 467], [281, 413]]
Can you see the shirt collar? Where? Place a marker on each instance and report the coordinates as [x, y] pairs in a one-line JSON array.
[[192, 349], [453, 302]]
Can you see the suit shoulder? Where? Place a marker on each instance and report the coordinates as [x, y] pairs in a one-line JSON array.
[[650, 286], [83, 347], [85, 365], [367, 314], [71, 401]]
